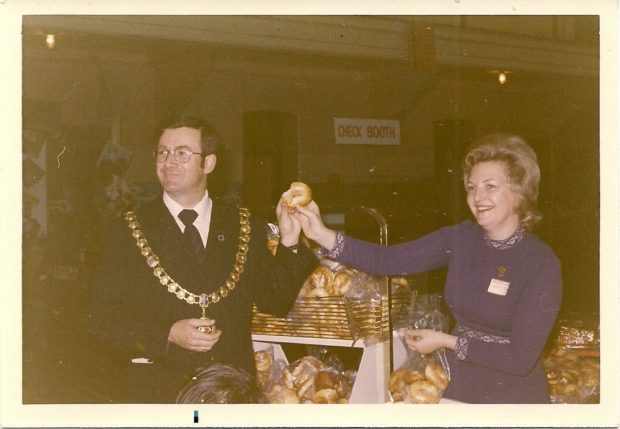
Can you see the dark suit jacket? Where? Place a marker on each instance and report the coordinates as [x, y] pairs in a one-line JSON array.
[[133, 312]]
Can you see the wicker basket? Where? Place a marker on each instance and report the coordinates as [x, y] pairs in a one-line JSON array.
[[334, 317]]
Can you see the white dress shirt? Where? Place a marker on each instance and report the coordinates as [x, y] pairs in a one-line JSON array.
[[203, 208]]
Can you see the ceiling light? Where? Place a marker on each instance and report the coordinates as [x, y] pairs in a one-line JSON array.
[[50, 41], [502, 75]]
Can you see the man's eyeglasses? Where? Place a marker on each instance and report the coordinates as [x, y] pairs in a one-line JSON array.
[[182, 154]]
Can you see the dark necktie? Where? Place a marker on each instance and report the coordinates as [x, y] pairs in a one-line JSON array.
[[191, 234]]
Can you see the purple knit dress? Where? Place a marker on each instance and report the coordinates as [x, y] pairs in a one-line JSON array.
[[504, 301]]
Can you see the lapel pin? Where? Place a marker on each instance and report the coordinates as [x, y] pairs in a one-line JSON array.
[[220, 237]]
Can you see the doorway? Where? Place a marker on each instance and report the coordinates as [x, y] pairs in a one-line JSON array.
[[269, 157]]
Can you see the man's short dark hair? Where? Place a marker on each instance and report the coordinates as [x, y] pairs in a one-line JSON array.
[[208, 136]]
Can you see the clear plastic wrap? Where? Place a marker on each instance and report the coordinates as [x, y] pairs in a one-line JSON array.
[[422, 378], [401, 298], [426, 314], [573, 379], [310, 380], [332, 278], [579, 331], [268, 368]]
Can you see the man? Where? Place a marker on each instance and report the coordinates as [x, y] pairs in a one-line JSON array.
[[167, 304]]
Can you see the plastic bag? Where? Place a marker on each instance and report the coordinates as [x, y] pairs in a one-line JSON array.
[[309, 380], [401, 298], [332, 278], [572, 379], [425, 313], [422, 378], [268, 369]]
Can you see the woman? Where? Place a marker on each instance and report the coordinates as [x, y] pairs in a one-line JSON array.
[[503, 285]]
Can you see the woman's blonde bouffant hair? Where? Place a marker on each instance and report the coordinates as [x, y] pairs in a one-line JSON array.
[[521, 165]]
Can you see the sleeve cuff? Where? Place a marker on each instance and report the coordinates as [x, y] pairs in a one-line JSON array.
[[462, 344], [464, 334], [337, 249]]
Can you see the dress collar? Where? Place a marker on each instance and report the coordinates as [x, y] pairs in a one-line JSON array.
[[506, 243]]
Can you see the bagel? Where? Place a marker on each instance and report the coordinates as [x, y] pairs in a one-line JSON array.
[[263, 378], [413, 375], [299, 194], [569, 390], [324, 380], [343, 387], [317, 293], [423, 392], [263, 361], [286, 396], [303, 378], [305, 288], [301, 369], [288, 378], [396, 384], [306, 390], [322, 278], [342, 283], [435, 373], [325, 396], [314, 361]]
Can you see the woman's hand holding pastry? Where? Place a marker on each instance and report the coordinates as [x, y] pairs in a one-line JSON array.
[[297, 207], [313, 227]]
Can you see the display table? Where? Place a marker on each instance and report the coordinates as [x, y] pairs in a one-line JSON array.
[[372, 375], [374, 371]]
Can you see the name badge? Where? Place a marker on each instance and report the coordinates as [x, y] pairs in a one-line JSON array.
[[498, 287]]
